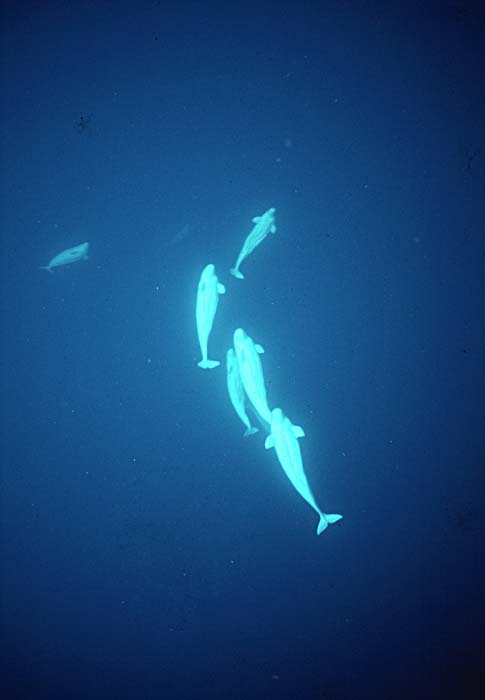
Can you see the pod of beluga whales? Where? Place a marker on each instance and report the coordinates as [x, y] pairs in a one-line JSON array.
[[244, 371], [244, 374]]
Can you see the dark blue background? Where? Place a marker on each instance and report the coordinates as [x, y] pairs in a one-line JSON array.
[[148, 551]]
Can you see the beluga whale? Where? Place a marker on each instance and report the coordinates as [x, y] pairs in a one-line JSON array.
[[263, 225], [236, 391], [205, 310], [251, 371], [284, 438], [71, 255]]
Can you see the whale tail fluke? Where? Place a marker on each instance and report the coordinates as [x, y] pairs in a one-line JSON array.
[[208, 364], [236, 273], [327, 519], [251, 431]]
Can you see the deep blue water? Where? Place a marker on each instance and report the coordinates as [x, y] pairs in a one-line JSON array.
[[147, 549]]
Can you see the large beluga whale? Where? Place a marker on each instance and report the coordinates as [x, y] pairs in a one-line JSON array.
[[205, 310], [284, 438], [236, 391], [71, 255], [263, 225], [251, 371]]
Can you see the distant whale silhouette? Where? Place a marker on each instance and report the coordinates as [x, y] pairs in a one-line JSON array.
[[264, 224], [205, 310], [71, 255]]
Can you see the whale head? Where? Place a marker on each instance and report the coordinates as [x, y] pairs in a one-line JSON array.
[[240, 337], [209, 270]]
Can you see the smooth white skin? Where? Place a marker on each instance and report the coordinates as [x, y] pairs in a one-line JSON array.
[[259, 232], [251, 373], [206, 306]]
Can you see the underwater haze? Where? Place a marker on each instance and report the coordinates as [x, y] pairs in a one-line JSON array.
[[148, 549]]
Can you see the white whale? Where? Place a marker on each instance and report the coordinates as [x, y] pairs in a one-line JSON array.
[[264, 224], [284, 438], [251, 371], [236, 391], [71, 255], [205, 310]]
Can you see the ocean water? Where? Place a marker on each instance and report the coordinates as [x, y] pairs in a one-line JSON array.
[[148, 550]]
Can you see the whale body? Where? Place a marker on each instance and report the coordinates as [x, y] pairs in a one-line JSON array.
[[206, 306], [251, 371], [284, 438], [236, 391], [263, 225], [71, 255], [255, 417]]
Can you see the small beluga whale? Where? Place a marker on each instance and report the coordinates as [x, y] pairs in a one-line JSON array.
[[71, 255], [263, 225], [251, 371], [205, 310], [236, 391], [284, 438]]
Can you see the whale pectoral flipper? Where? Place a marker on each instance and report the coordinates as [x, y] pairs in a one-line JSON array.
[[269, 442]]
